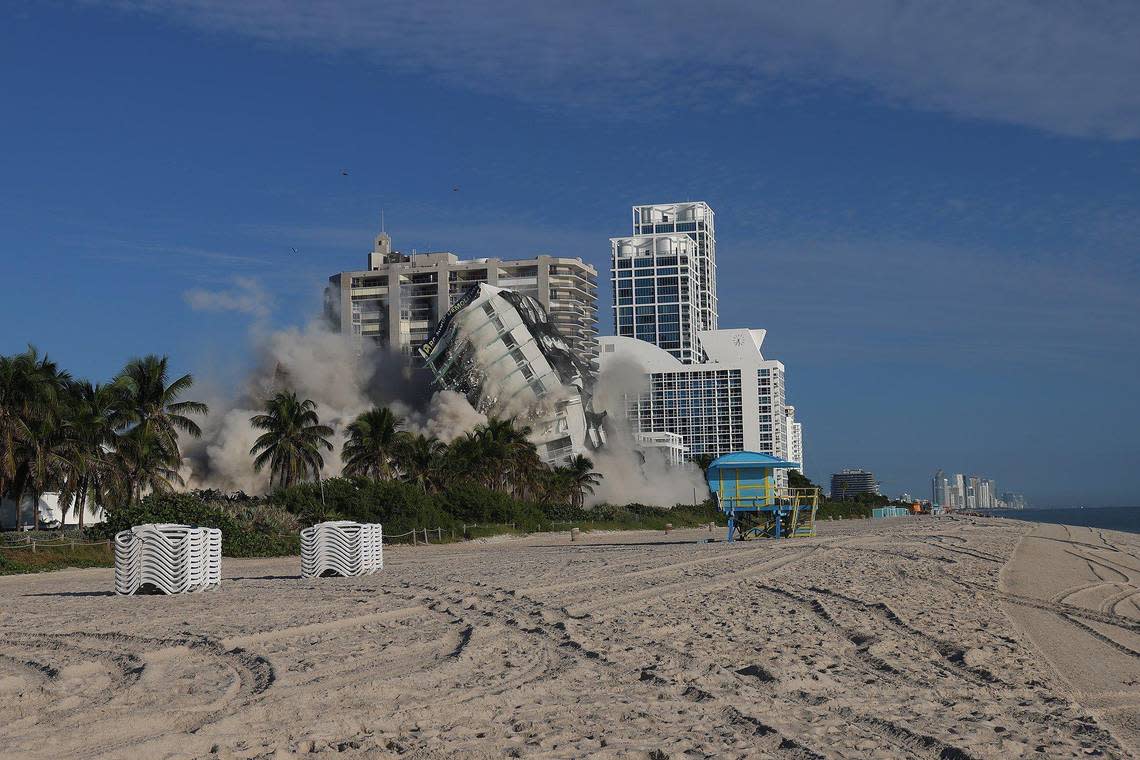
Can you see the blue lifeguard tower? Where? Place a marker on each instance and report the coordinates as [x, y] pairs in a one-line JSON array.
[[744, 485]]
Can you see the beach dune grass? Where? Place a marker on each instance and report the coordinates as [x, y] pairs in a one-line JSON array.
[[20, 558]]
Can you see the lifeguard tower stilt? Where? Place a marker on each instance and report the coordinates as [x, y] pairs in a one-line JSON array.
[[744, 485]]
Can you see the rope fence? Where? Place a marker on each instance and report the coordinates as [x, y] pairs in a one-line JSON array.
[[422, 535], [33, 544], [418, 536]]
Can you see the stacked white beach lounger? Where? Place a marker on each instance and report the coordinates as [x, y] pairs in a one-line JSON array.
[[173, 559], [342, 547]]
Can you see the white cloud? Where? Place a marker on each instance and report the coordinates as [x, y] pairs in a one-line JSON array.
[[246, 297], [1068, 68]]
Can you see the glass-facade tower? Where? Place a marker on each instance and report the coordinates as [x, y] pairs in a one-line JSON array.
[[664, 277]]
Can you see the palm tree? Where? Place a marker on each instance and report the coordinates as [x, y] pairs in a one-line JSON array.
[[95, 415], [18, 393], [293, 438], [556, 485], [500, 443], [39, 450], [582, 478], [421, 460], [374, 441], [527, 472], [45, 454], [152, 402], [144, 461]]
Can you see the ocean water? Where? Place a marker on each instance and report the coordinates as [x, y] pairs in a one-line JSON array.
[[1109, 518]]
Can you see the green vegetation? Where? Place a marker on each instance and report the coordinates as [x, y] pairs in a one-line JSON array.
[[470, 507], [250, 527], [269, 526], [96, 445], [23, 560], [858, 507], [115, 448]]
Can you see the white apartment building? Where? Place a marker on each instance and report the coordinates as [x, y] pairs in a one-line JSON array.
[[671, 445], [400, 299], [664, 277], [794, 434], [733, 400]]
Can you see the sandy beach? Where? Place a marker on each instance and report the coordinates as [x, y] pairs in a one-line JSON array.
[[916, 637]]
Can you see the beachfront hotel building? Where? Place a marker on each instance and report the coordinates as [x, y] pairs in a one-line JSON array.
[[399, 300], [794, 433], [664, 277], [847, 484], [732, 400]]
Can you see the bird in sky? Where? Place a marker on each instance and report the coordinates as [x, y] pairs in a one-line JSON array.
[[455, 189], [294, 249], [344, 172]]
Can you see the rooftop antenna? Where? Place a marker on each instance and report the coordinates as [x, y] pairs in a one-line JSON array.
[[382, 229]]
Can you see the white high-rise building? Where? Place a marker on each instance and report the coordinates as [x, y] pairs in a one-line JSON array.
[[940, 491], [959, 491], [794, 433], [731, 401], [664, 277]]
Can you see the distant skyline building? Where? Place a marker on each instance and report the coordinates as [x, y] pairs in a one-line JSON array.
[[940, 491], [847, 484], [1013, 500], [664, 277], [967, 492], [731, 401], [400, 298]]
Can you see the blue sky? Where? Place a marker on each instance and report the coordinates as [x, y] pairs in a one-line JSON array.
[[934, 211]]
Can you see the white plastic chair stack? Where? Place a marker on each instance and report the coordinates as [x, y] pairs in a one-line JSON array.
[[343, 548], [172, 559]]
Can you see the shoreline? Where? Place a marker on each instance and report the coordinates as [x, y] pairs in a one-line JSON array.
[[912, 637]]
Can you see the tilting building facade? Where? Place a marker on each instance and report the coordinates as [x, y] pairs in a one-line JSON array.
[[501, 350]]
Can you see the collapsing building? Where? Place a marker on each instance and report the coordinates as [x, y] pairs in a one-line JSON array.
[[500, 349]]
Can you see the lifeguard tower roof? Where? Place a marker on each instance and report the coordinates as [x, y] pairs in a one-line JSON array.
[[744, 486], [751, 459]]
